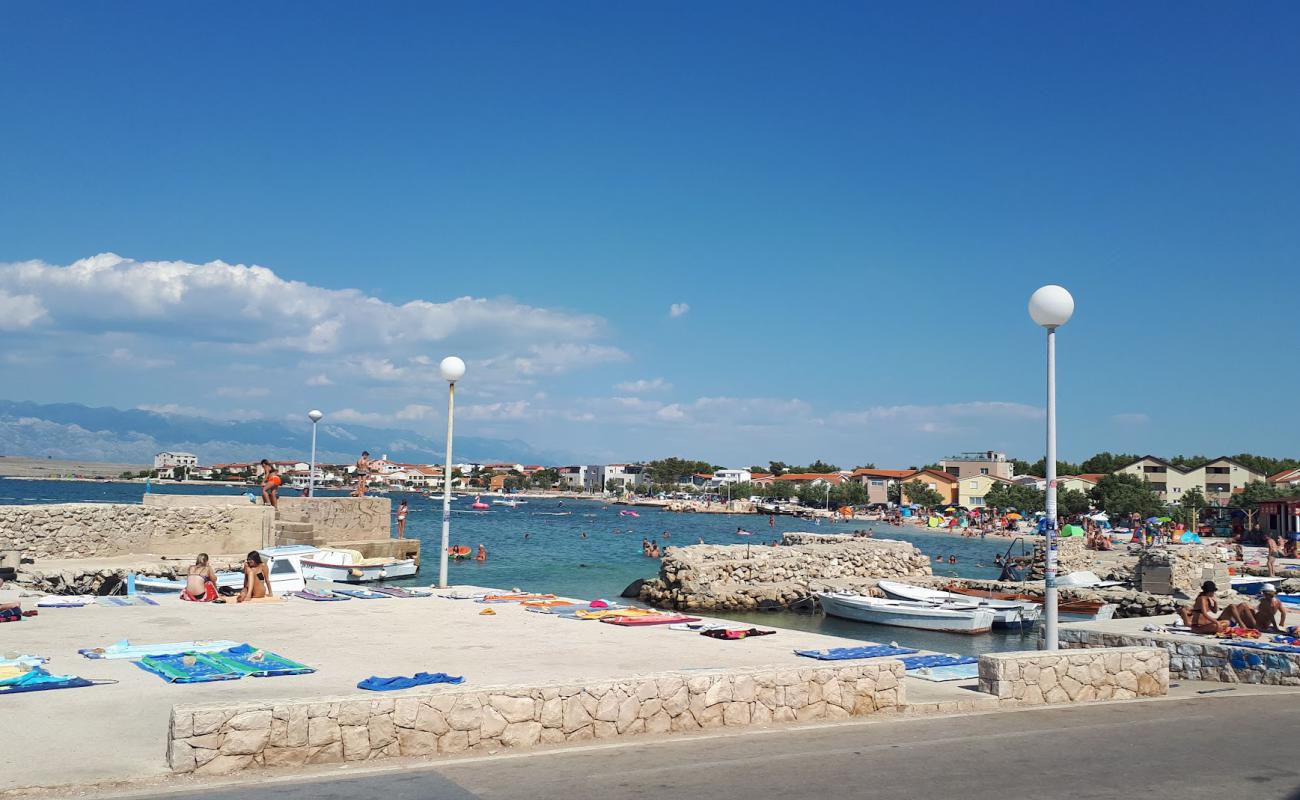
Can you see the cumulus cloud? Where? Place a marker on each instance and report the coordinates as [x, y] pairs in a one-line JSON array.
[[122, 356], [19, 311], [678, 309], [320, 380], [553, 359], [238, 304], [643, 385]]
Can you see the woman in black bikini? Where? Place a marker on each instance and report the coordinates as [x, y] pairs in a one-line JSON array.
[[257, 579]]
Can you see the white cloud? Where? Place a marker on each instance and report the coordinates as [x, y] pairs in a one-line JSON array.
[[553, 359], [678, 309], [671, 413], [320, 380], [175, 409], [19, 311], [237, 304], [643, 385], [126, 358]]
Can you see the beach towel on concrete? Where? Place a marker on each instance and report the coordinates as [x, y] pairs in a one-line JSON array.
[[71, 601], [400, 591], [362, 594], [931, 661], [131, 600], [248, 660], [1276, 647], [174, 669], [37, 680], [124, 649], [319, 597], [867, 651], [377, 684], [23, 660], [952, 672]]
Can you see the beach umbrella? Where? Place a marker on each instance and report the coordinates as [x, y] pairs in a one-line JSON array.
[[1165, 519], [1101, 517], [1014, 515]]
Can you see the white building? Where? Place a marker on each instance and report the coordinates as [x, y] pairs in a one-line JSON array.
[[167, 460], [631, 476], [723, 477]]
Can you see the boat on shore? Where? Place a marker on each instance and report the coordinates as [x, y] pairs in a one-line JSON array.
[[969, 618], [1066, 610], [1006, 613], [342, 565], [284, 564]]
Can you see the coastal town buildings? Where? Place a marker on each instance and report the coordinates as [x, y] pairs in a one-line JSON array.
[[1217, 479], [945, 483], [169, 460], [971, 490], [878, 481], [986, 462]]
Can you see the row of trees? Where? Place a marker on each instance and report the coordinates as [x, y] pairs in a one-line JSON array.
[[1106, 461]]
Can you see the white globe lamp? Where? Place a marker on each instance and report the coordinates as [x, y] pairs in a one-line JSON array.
[[452, 369], [1051, 306]]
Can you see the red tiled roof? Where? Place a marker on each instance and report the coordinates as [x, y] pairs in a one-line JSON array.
[[932, 473], [808, 477], [881, 473], [1091, 477]]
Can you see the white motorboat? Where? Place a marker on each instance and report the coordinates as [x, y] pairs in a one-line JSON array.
[[1006, 613], [284, 563], [946, 617], [349, 566]]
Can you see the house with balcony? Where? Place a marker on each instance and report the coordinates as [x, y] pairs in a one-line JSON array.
[[878, 481], [971, 490], [1167, 480], [985, 462], [945, 483], [1218, 479]]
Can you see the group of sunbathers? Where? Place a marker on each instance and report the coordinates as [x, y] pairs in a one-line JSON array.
[[201, 582], [1205, 616]]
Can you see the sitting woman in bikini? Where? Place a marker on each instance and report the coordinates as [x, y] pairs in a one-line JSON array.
[[201, 583], [1204, 616], [257, 579]]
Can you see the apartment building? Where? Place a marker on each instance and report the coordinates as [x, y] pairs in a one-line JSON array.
[[1217, 479], [986, 462]]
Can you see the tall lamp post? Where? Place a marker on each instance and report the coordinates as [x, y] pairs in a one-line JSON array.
[[1051, 307], [315, 416], [452, 369]]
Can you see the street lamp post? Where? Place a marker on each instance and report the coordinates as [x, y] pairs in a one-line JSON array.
[[315, 416], [1051, 307], [452, 369]]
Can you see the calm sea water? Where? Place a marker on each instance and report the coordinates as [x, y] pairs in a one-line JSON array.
[[585, 548]]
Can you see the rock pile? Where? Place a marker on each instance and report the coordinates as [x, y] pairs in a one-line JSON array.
[[1071, 556], [744, 577]]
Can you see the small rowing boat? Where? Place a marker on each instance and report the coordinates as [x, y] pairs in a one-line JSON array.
[[1006, 613], [947, 617], [1067, 610]]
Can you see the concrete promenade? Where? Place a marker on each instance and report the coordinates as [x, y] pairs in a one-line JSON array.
[[345, 641], [1161, 750]]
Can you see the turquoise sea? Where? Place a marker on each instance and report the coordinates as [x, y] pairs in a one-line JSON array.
[[588, 549]]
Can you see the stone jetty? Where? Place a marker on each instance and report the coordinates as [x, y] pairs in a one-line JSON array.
[[744, 577]]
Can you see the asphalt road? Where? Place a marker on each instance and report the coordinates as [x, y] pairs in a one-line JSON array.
[[1212, 747]]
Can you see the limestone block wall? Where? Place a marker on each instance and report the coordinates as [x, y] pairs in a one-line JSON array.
[[230, 737], [1181, 569], [1204, 659], [159, 500], [341, 519], [1036, 677], [738, 577], [81, 530]]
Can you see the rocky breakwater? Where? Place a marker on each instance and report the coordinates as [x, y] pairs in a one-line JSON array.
[[743, 577]]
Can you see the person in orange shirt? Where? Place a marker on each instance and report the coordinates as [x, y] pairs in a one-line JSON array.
[[270, 485]]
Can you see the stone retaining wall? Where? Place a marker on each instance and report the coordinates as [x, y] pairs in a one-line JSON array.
[[1036, 677], [747, 577], [334, 519], [81, 530], [235, 736], [1199, 659]]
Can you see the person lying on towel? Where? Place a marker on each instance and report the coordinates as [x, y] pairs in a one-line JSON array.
[[201, 583]]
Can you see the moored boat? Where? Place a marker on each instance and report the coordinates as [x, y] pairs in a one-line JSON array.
[[946, 617], [284, 564], [1066, 610], [1006, 613], [348, 566]]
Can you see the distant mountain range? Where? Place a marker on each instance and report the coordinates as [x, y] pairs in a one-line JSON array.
[[73, 431]]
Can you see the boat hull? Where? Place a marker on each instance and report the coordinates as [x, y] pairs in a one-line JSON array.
[[351, 573], [1007, 613], [899, 615]]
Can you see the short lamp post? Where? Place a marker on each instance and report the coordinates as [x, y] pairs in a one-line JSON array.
[[452, 369], [315, 416], [1051, 307]]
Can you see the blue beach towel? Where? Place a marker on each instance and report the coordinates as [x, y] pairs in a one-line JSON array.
[[124, 649], [132, 600], [377, 684], [1276, 647], [173, 669], [843, 653], [952, 672], [919, 662], [38, 680], [244, 660]]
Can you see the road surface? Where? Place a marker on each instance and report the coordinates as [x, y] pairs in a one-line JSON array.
[[1209, 747]]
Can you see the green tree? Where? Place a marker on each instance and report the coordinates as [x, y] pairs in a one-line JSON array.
[[672, 470], [1250, 496], [513, 483], [756, 468], [1072, 501], [1025, 499], [1020, 467], [1189, 462], [1190, 505], [1105, 462], [1039, 468], [777, 468], [868, 465], [1264, 464], [1120, 494], [614, 486], [922, 495], [545, 478]]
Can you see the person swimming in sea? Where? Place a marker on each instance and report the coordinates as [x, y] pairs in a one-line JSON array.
[[584, 535], [481, 555], [952, 559]]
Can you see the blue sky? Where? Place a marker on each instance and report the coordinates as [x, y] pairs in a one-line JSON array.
[[851, 202]]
